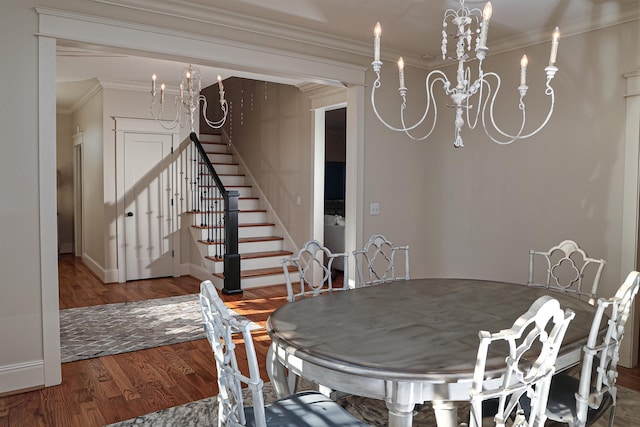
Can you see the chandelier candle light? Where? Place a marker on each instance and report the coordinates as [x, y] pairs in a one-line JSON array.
[[187, 101], [486, 86]]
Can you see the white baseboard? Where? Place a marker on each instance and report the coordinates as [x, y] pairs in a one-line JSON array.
[[107, 276], [198, 272], [93, 266], [21, 376], [185, 269], [111, 276]]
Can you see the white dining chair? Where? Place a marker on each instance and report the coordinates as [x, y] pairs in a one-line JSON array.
[[542, 327], [581, 401], [376, 262], [313, 268], [566, 268], [308, 408]]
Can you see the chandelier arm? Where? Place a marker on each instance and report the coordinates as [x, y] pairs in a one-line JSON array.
[[512, 138], [549, 91], [223, 107], [429, 89], [172, 125], [377, 84]]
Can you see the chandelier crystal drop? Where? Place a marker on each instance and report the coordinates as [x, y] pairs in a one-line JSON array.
[[187, 101], [466, 27]]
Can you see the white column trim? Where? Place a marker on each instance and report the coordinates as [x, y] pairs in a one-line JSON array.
[[47, 200], [207, 50], [354, 210], [630, 212]]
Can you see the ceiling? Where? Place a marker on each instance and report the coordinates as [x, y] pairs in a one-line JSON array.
[[411, 28]]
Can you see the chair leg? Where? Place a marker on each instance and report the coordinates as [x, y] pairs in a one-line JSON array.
[[612, 415], [292, 380]]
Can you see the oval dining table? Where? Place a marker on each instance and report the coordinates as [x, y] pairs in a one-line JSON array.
[[406, 342]]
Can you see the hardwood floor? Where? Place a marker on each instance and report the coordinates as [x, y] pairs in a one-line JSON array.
[[100, 391], [104, 390]]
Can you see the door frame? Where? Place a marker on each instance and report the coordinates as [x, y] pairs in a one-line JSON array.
[[119, 35], [122, 126], [630, 247], [353, 99], [78, 197]]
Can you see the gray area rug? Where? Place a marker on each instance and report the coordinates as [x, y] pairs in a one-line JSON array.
[[102, 330], [372, 411]]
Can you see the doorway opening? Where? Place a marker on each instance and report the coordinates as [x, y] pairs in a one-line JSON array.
[[335, 166]]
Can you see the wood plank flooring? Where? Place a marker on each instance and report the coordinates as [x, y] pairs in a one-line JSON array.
[[104, 390]]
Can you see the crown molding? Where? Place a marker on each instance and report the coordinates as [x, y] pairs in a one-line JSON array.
[[244, 55], [248, 24], [90, 93], [185, 9]]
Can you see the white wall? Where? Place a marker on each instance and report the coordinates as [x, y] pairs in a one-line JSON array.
[[271, 130], [20, 305], [89, 119], [476, 211]]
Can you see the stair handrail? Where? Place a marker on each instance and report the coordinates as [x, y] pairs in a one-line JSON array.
[[231, 255]]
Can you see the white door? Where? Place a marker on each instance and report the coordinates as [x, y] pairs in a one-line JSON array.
[[147, 210]]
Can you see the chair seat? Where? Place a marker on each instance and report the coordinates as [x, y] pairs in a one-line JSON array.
[[562, 407], [305, 409]]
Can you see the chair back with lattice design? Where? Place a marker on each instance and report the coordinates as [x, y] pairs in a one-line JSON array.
[[219, 328], [601, 354], [313, 265], [566, 268], [376, 262], [529, 350]]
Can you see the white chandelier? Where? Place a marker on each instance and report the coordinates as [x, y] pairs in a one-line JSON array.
[[187, 101], [467, 23]]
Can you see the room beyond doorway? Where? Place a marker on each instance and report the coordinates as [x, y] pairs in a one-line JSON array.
[[335, 166]]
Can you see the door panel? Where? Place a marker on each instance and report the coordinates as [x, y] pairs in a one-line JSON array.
[[148, 251]]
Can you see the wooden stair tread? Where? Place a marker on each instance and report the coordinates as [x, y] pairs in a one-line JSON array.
[[253, 255], [222, 174], [248, 224], [218, 163], [239, 198], [260, 272], [219, 212], [247, 240], [213, 142], [230, 186], [265, 254]]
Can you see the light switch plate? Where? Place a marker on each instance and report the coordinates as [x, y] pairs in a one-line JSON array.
[[374, 208]]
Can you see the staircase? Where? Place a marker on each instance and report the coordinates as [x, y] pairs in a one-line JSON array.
[[259, 248]]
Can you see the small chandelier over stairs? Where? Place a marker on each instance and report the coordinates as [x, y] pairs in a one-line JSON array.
[[187, 101], [467, 24]]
